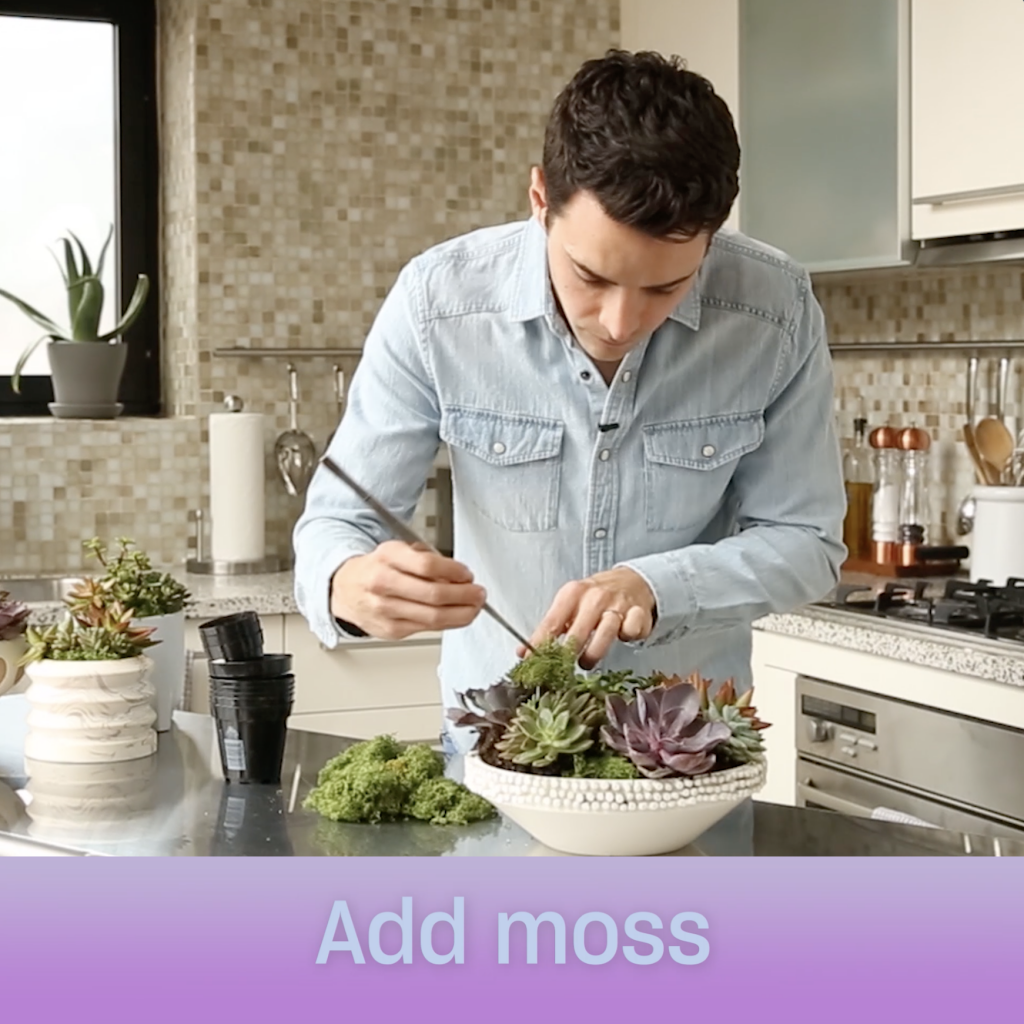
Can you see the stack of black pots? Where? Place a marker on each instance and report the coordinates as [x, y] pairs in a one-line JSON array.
[[251, 696]]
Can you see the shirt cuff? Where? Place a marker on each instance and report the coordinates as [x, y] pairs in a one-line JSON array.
[[675, 599], [313, 595]]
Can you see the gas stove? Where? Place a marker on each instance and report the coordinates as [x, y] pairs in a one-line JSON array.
[[975, 609]]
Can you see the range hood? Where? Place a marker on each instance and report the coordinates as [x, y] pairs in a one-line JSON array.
[[994, 247]]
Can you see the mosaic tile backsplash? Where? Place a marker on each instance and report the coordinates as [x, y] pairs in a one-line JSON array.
[[309, 148]]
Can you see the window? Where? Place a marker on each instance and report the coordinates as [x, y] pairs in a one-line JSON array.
[[78, 137]]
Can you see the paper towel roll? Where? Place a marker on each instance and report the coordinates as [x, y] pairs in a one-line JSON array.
[[237, 530]]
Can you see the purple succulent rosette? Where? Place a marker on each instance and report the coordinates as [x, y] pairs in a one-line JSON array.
[[13, 617], [662, 732]]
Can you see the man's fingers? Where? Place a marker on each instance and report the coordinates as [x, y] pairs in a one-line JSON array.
[[393, 582], [604, 635], [388, 610], [423, 562], [559, 616]]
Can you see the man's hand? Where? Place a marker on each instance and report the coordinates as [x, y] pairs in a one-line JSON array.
[[595, 612], [400, 589]]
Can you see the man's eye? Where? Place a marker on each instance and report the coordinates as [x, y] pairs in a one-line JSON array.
[[592, 282]]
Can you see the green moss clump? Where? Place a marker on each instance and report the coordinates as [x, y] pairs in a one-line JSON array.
[[603, 766], [382, 780], [551, 667], [444, 802]]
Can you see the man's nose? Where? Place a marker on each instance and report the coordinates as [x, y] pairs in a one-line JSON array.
[[621, 315]]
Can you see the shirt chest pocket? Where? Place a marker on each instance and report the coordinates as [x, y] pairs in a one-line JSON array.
[[688, 465], [507, 465]]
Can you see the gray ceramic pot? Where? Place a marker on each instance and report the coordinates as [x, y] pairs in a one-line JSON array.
[[86, 376]]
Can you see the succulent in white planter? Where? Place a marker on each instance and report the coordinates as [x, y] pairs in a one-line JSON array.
[[13, 623], [158, 603], [89, 698], [86, 365], [610, 763]]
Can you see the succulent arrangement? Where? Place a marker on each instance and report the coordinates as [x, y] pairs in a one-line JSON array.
[[85, 303], [128, 579], [13, 617], [547, 717], [97, 634]]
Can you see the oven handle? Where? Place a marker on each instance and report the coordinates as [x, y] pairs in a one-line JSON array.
[[809, 791]]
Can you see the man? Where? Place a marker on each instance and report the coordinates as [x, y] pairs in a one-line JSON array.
[[637, 408]]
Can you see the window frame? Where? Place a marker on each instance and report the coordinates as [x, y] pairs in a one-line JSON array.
[[138, 194]]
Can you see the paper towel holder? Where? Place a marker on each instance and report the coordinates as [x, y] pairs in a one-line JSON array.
[[215, 567], [211, 567]]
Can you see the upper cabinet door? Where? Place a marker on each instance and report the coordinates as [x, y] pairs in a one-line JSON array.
[[824, 111], [968, 116]]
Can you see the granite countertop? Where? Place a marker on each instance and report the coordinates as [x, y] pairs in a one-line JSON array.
[[175, 803], [995, 660], [269, 594]]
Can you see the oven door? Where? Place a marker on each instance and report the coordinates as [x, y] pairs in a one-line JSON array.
[[860, 796]]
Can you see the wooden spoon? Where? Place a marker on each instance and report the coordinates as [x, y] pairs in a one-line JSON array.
[[984, 472], [995, 445]]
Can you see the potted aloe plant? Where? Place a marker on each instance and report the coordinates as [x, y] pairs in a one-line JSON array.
[[89, 697], [609, 762], [13, 623], [158, 603], [86, 366]]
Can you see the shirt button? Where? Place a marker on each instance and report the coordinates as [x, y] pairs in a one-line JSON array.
[[600, 534], [585, 375], [605, 455], [499, 449], [707, 451], [626, 376]]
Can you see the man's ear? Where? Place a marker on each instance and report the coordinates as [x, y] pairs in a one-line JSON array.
[[538, 197]]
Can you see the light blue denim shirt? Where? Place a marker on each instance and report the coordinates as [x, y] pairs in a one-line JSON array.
[[721, 485]]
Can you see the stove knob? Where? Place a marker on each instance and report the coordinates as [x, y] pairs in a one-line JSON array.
[[819, 731]]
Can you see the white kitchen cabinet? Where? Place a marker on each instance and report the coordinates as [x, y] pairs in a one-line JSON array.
[[703, 32], [967, 123], [365, 687], [199, 696]]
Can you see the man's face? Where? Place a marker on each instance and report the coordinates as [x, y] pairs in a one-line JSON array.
[[615, 284]]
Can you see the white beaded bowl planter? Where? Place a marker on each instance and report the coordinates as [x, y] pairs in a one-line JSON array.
[[614, 817]]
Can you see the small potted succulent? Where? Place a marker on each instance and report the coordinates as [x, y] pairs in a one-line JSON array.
[[89, 697], [13, 623], [86, 366], [158, 601], [609, 762]]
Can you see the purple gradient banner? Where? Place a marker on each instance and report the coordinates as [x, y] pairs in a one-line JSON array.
[[238, 940]]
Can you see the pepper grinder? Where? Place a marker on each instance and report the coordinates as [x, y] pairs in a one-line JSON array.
[[885, 498], [913, 444]]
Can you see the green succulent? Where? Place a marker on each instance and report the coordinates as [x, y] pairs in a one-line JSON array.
[[745, 744], [103, 635], [738, 713], [128, 578], [548, 725], [85, 303]]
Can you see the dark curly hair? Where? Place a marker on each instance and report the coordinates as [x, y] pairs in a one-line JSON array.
[[653, 142]]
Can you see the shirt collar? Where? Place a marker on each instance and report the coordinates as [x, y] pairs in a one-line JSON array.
[[532, 297], [687, 312]]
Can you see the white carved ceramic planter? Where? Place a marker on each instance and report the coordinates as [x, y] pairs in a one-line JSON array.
[[85, 712], [167, 675], [614, 817], [10, 653]]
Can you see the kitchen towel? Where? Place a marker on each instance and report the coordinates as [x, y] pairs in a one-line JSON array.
[[899, 818], [237, 520]]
